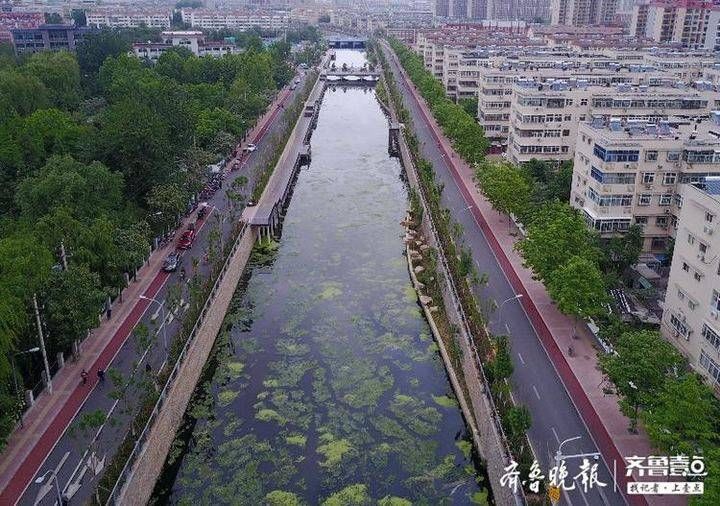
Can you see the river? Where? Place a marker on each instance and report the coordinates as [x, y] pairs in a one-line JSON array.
[[326, 383]]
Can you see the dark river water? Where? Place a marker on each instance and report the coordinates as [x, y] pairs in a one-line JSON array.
[[327, 384]]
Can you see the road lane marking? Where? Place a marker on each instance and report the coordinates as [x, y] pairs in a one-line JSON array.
[[522, 360], [555, 434], [536, 392], [507, 329]]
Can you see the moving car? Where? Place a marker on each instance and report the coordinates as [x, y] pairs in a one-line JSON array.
[[202, 211], [186, 240], [172, 262], [250, 148]]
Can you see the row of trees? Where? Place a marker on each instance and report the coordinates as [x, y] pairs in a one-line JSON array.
[[99, 152], [652, 379], [466, 134], [678, 410], [494, 350]]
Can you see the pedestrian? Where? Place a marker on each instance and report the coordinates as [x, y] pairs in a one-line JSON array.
[[109, 312], [101, 375], [84, 376]]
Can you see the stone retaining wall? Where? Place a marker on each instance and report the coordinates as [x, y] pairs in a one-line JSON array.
[[149, 464], [479, 414]]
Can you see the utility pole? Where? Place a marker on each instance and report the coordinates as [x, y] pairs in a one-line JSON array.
[[63, 257], [42, 344]]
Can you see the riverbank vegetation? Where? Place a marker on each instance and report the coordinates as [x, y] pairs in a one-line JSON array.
[[99, 153], [654, 383], [493, 351]]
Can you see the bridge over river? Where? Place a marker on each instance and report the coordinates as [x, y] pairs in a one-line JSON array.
[[326, 382]]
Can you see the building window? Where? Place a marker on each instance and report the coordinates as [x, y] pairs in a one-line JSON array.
[[703, 248], [710, 366], [669, 178], [648, 177], [658, 243], [644, 199], [692, 305], [651, 156], [661, 221], [680, 295], [641, 220], [665, 200], [678, 200], [679, 326], [715, 301], [697, 276], [711, 336], [691, 239], [709, 217], [685, 267]]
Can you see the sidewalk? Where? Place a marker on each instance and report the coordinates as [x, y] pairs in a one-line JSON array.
[[580, 374], [46, 421]]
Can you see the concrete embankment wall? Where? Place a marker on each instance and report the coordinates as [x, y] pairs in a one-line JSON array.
[[149, 464], [480, 415]]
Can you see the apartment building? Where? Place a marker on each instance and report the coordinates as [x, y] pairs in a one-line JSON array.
[[691, 316], [691, 23], [121, 18], [582, 12], [194, 41], [630, 172], [544, 117], [238, 19], [47, 38]]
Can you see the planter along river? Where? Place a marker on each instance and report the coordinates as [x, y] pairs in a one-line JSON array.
[[326, 384]]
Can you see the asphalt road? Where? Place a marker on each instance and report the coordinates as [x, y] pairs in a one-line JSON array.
[[112, 434], [535, 382]]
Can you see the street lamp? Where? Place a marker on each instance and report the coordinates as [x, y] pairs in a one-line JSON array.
[[14, 373], [41, 479], [559, 457], [164, 323], [517, 296]]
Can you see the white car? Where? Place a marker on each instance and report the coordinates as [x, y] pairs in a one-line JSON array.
[[250, 148]]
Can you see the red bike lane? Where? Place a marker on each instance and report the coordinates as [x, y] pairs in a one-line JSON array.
[[44, 446], [61, 420], [575, 391]]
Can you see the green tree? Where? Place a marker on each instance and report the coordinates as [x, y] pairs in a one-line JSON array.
[[73, 302], [683, 417], [48, 132], [60, 73], [578, 289], [623, 251], [518, 421], [98, 46], [505, 187], [86, 191], [20, 94], [469, 105], [169, 200], [556, 233], [639, 368]]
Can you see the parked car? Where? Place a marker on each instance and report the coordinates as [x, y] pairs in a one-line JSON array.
[[172, 262], [293, 86], [202, 211], [186, 240], [297, 80], [250, 148]]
